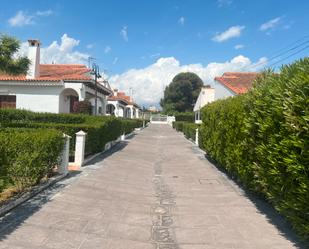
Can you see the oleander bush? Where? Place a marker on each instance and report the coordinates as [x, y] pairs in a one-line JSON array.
[[262, 138], [27, 156]]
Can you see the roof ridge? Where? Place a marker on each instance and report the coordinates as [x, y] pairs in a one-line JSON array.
[[63, 65]]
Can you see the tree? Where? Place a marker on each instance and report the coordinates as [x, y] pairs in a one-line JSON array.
[[181, 94], [9, 63]]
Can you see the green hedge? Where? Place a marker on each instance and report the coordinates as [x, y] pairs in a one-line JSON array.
[[128, 125], [185, 116], [188, 129], [100, 129], [26, 156], [23, 116], [262, 138]]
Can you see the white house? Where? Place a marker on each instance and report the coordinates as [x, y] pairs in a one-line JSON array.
[[53, 88], [207, 95], [121, 105], [228, 85], [233, 83]]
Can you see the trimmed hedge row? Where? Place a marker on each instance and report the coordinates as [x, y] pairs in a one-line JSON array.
[[15, 115], [187, 128], [27, 156], [262, 138], [99, 129], [185, 116]]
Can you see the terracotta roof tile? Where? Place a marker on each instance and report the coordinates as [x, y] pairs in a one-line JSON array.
[[121, 96], [237, 82], [54, 72]]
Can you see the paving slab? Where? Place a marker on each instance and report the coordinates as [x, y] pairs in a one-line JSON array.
[[157, 191]]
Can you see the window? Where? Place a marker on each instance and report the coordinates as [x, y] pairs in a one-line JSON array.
[[8, 101]]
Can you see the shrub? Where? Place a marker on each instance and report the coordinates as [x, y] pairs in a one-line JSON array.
[[185, 116], [128, 125], [23, 116], [262, 138], [188, 129], [28, 155], [277, 129], [178, 125], [99, 129]]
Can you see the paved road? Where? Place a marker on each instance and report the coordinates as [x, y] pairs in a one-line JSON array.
[[157, 191]]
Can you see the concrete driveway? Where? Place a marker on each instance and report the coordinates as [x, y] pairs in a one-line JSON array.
[[156, 191]]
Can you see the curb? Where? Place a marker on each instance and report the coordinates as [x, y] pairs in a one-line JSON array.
[[16, 201], [110, 145]]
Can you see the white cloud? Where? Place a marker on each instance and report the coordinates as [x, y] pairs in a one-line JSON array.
[[234, 31], [60, 53], [90, 46], [21, 19], [270, 24], [154, 55], [239, 46], [115, 60], [124, 33], [181, 20], [148, 83], [44, 13], [107, 49]]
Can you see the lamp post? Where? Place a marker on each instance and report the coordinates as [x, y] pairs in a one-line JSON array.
[[96, 72]]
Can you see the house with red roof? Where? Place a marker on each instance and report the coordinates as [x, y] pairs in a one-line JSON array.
[[233, 83], [53, 88], [121, 105], [227, 85]]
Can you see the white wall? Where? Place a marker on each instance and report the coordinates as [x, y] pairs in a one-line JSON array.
[[221, 91], [119, 109], [35, 98], [100, 103]]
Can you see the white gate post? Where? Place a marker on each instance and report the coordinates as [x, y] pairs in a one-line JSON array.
[[80, 148], [63, 167], [196, 136]]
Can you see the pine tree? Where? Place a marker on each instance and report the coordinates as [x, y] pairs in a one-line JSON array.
[[9, 63]]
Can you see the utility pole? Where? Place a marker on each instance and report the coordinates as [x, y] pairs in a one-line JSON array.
[[96, 72]]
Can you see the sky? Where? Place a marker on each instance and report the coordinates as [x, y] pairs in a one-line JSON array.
[[143, 44]]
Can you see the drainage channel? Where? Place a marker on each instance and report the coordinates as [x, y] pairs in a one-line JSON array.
[[163, 234]]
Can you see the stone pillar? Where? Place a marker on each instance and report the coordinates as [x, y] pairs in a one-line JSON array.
[[80, 148], [123, 137], [132, 114], [63, 167], [196, 136]]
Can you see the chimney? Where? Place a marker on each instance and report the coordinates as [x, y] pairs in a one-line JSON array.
[[34, 57], [115, 92]]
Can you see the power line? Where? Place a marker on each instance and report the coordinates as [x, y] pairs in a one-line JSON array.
[[291, 44], [283, 59], [282, 53]]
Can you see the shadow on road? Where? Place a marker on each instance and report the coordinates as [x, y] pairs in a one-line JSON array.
[[17, 216], [265, 208]]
